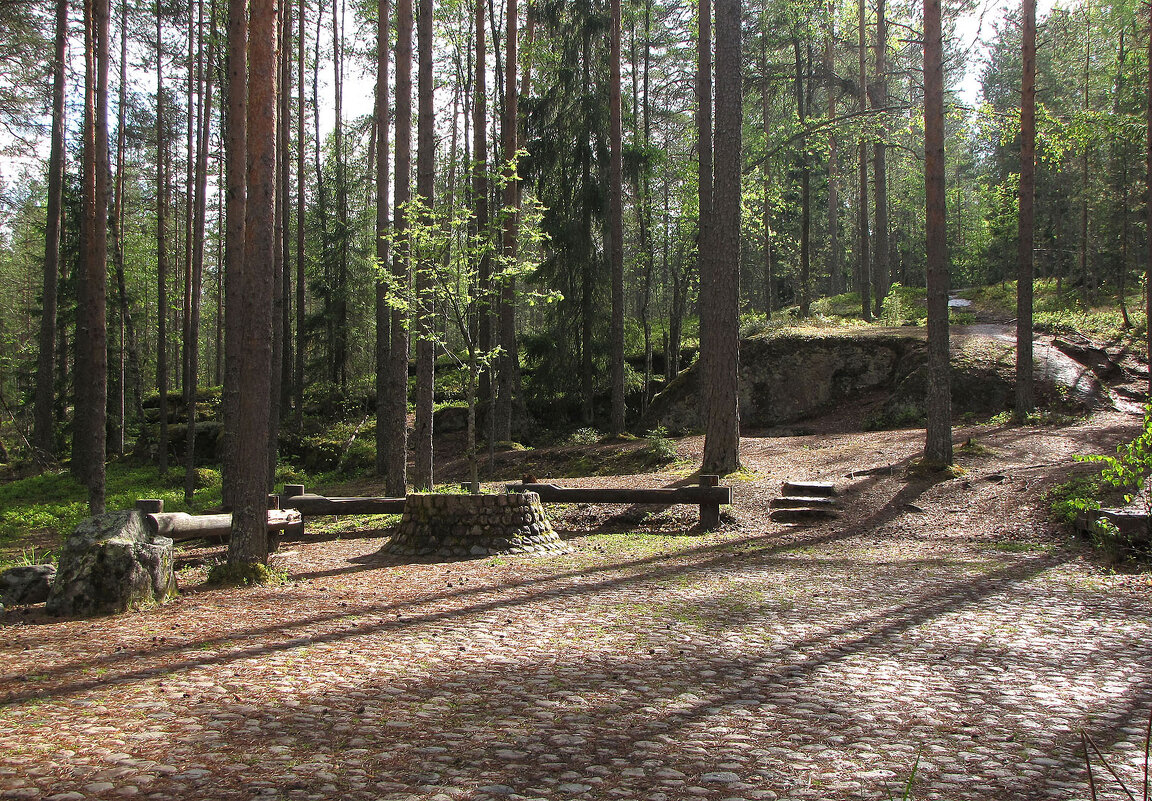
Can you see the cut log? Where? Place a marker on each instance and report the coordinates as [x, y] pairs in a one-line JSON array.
[[806, 515], [818, 489], [801, 502], [183, 526]]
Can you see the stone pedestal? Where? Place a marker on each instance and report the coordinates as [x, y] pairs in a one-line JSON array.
[[474, 525]]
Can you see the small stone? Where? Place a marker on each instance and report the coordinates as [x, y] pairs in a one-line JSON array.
[[719, 777]]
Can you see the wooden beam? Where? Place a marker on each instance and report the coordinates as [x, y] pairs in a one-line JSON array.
[[312, 505], [183, 526]]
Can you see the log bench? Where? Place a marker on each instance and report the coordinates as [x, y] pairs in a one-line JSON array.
[[707, 495], [180, 526]]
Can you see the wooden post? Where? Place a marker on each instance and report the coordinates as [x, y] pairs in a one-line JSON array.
[[150, 505], [293, 491], [709, 512]]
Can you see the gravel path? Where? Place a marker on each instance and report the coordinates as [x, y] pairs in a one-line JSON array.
[[939, 630]]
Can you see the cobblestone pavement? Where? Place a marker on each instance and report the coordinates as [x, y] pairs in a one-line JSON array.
[[759, 663]]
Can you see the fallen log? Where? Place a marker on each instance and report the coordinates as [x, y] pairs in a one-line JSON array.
[[183, 526]]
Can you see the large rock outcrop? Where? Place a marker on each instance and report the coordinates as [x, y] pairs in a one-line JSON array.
[[791, 376], [112, 563]]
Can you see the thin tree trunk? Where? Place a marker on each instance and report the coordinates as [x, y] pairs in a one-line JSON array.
[[805, 181], [616, 219], [644, 210], [197, 266], [863, 270], [383, 314], [44, 435], [486, 295], [425, 298], [1085, 278], [96, 259], [880, 270], [161, 254], [1025, 398], [402, 189], [116, 223], [834, 271], [938, 434], [340, 363], [766, 210], [301, 201], [508, 391], [1148, 214]]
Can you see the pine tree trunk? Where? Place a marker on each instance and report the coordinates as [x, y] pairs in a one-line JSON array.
[[236, 203], [720, 312], [1025, 398], [836, 280], [192, 346], [94, 348], [383, 313], [508, 389], [425, 297], [301, 205], [249, 540], [880, 270], [398, 382], [616, 219], [938, 435], [486, 293], [161, 255], [44, 435], [863, 269]]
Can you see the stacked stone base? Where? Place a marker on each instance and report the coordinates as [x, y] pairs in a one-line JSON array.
[[474, 525]]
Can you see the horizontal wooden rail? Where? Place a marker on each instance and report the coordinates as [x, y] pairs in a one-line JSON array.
[[313, 505], [707, 496]]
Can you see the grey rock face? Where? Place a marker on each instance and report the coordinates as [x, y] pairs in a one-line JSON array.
[[110, 564], [27, 584]]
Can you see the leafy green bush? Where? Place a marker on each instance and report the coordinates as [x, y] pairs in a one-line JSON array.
[[584, 436], [1074, 497], [1131, 467]]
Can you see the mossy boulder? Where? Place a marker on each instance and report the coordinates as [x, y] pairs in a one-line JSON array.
[[112, 563], [26, 584]]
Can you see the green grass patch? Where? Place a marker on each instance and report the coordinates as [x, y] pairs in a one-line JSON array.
[[49, 506]]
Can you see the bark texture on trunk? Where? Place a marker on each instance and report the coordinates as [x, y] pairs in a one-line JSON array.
[[722, 361], [425, 295], [44, 435], [396, 483], [1025, 397], [938, 435], [249, 540]]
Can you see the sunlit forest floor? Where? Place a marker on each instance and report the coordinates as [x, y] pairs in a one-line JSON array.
[[942, 633]]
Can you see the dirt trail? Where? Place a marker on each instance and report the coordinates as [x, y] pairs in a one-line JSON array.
[[937, 627]]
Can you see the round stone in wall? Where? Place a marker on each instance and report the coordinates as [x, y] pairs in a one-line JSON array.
[[459, 526]]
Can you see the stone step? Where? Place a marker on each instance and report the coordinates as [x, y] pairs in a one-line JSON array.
[[801, 502], [816, 489], [806, 515]]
